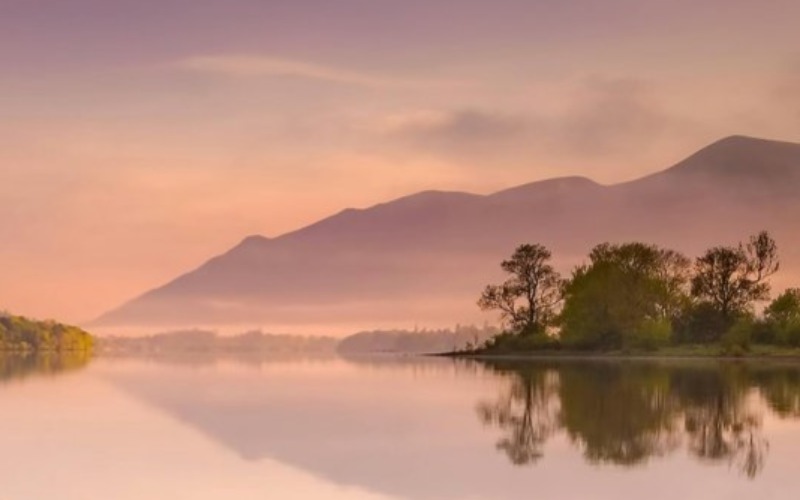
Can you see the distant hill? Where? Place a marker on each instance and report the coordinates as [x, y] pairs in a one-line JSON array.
[[425, 257]]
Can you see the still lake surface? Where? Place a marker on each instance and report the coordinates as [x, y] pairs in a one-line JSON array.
[[390, 428]]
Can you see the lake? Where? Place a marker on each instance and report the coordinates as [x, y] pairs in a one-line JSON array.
[[394, 427]]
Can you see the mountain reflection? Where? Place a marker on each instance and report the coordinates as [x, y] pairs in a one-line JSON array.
[[16, 366], [625, 413]]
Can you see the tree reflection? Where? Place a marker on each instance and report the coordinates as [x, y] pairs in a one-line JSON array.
[[781, 390], [527, 414], [719, 424], [15, 366], [618, 413], [625, 413]]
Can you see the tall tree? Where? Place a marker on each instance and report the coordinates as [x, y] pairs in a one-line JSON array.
[[528, 299], [732, 278]]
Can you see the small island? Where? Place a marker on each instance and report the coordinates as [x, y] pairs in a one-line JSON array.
[[19, 334], [641, 299]]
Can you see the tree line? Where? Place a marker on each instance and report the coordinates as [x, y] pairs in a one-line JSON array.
[[20, 334], [641, 296]]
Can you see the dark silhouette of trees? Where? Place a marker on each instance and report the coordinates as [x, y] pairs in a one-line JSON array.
[[637, 296], [732, 278], [527, 300]]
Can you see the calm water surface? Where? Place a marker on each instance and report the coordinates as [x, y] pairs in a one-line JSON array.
[[397, 428]]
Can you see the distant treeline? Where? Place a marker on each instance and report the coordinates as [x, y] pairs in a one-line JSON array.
[[642, 297], [20, 334], [204, 341], [417, 341], [259, 343]]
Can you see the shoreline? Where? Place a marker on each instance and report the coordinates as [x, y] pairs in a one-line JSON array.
[[617, 356]]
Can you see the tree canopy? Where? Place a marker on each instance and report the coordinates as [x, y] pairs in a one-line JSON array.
[[626, 296]]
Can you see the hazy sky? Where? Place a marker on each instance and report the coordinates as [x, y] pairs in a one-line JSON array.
[[140, 137]]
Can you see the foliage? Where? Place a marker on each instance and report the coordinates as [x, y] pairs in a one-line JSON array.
[[700, 322], [653, 334], [624, 297], [507, 342], [527, 300], [785, 308], [641, 297], [20, 334], [739, 336]]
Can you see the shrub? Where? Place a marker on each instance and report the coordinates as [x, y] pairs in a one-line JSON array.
[[739, 336], [789, 333], [651, 334]]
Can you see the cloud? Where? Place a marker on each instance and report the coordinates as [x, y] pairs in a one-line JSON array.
[[466, 130], [243, 66], [599, 118], [611, 116]]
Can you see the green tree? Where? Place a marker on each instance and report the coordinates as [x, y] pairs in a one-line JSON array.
[[625, 297], [785, 308], [782, 318], [528, 299]]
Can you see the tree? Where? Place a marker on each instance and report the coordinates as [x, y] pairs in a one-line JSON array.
[[626, 293], [732, 278], [785, 308], [527, 300], [782, 318]]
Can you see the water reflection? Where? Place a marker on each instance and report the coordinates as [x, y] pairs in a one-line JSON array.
[[18, 366], [626, 413], [406, 427]]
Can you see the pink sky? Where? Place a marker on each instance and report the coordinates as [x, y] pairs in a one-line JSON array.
[[139, 138]]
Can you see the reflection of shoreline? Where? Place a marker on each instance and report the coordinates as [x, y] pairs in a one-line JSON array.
[[18, 366], [626, 413]]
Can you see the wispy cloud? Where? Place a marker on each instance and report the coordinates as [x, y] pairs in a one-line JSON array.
[[602, 118], [243, 66], [461, 133]]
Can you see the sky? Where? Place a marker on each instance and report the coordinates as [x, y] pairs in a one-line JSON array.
[[138, 138]]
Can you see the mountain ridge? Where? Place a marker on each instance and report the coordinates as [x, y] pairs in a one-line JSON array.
[[433, 243]]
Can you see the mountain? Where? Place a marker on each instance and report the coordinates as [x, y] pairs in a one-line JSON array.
[[425, 257]]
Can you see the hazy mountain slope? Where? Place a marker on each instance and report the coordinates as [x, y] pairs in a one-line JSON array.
[[425, 257]]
